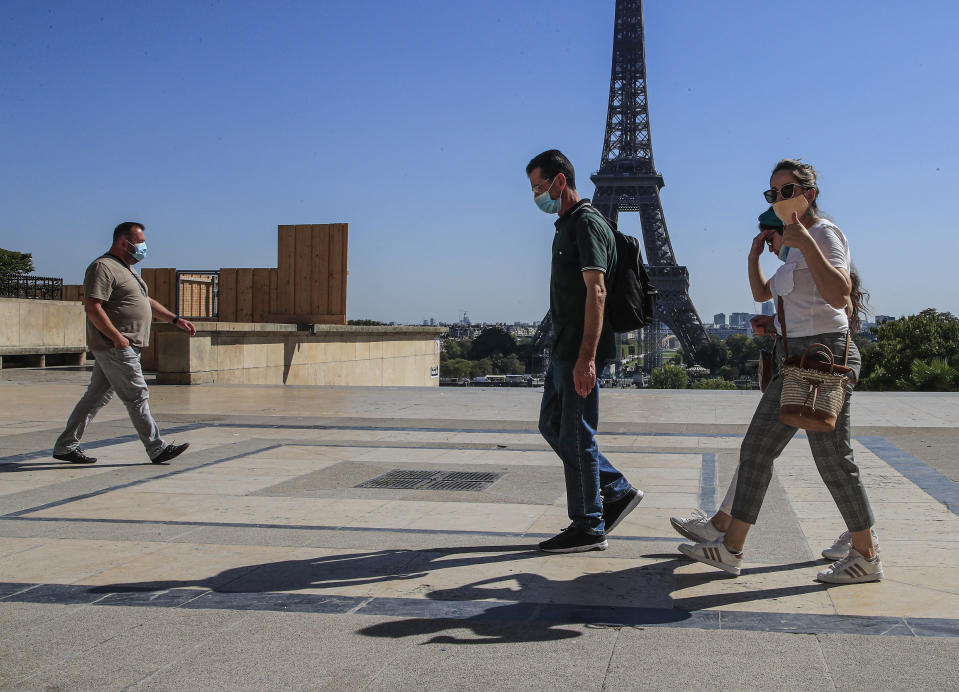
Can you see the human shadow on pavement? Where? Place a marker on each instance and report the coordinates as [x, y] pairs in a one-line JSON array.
[[21, 466], [539, 606], [541, 609], [336, 571]]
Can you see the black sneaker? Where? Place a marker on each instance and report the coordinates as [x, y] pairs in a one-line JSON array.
[[615, 512], [574, 540], [76, 456], [171, 451]]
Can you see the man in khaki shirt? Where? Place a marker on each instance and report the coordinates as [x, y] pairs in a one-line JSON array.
[[119, 313]]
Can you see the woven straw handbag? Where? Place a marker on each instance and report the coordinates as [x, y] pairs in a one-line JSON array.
[[814, 385]]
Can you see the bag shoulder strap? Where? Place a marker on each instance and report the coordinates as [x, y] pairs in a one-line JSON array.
[[587, 208], [782, 323]]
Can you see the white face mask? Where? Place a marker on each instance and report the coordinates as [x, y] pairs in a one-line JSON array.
[[784, 208]]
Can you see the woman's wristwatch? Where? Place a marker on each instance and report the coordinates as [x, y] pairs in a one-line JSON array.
[[176, 318]]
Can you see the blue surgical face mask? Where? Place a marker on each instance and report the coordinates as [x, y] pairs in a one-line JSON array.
[[546, 203], [783, 253], [137, 251]]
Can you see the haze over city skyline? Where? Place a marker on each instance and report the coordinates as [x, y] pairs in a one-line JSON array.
[[213, 123]]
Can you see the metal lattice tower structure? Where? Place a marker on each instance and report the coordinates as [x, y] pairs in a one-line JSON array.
[[627, 181]]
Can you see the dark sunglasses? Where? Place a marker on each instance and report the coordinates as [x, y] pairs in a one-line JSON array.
[[787, 191]]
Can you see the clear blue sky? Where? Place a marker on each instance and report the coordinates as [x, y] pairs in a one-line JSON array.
[[212, 122]]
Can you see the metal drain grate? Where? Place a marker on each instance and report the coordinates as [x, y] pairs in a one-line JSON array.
[[456, 485], [406, 479], [471, 476]]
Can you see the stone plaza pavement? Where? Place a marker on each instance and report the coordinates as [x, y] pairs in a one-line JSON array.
[[254, 562]]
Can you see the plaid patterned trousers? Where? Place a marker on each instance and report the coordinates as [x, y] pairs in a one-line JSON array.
[[767, 437]]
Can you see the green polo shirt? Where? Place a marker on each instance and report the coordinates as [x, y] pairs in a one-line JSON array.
[[583, 241]]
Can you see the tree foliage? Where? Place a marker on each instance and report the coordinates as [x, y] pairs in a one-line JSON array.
[[712, 355], [713, 383], [457, 367], [481, 367], [456, 348], [936, 376], [364, 323], [492, 340], [12, 262], [925, 337], [669, 377]]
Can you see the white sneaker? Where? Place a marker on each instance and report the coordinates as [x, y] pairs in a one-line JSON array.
[[840, 548], [714, 553], [852, 569], [696, 527]]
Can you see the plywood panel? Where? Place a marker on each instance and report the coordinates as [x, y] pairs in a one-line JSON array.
[[302, 290], [165, 288], [344, 268], [337, 269], [227, 295], [273, 289], [72, 291], [244, 295], [286, 268], [321, 260], [149, 277], [261, 294]]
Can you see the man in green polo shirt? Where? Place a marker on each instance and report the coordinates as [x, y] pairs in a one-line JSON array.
[[584, 255]]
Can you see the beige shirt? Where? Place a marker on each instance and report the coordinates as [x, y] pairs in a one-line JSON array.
[[125, 301]]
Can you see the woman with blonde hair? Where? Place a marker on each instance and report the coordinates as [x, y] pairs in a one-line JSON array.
[[816, 290]]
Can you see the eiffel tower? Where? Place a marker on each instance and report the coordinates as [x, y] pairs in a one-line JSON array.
[[627, 181]]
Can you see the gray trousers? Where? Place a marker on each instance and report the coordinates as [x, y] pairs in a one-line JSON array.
[[832, 451], [115, 370]]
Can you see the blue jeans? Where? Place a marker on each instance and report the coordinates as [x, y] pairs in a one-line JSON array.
[[568, 422]]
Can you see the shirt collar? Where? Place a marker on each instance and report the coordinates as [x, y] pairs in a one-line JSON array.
[[571, 211]]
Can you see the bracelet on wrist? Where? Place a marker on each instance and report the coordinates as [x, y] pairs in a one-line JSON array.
[[176, 318]]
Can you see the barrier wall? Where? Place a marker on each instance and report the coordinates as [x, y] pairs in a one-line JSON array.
[[249, 353], [38, 328]]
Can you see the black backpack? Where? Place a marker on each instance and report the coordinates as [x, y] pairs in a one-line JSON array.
[[631, 298]]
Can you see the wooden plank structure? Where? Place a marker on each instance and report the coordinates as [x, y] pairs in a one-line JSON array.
[[311, 274], [73, 292], [161, 283], [196, 295], [245, 294], [161, 286]]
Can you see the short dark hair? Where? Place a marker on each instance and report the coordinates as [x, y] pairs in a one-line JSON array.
[[125, 229], [552, 162]]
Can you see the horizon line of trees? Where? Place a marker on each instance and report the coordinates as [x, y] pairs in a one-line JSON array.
[[917, 353], [494, 352]]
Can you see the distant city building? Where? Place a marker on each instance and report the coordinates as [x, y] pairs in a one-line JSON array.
[[739, 319], [884, 318], [719, 318], [725, 331], [768, 308]]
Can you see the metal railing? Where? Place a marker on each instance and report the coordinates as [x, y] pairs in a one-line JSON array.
[[197, 293], [34, 287]]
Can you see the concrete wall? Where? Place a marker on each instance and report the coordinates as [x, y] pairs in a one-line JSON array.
[[38, 327], [245, 353]]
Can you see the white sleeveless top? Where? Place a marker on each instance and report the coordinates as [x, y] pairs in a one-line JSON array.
[[806, 311]]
